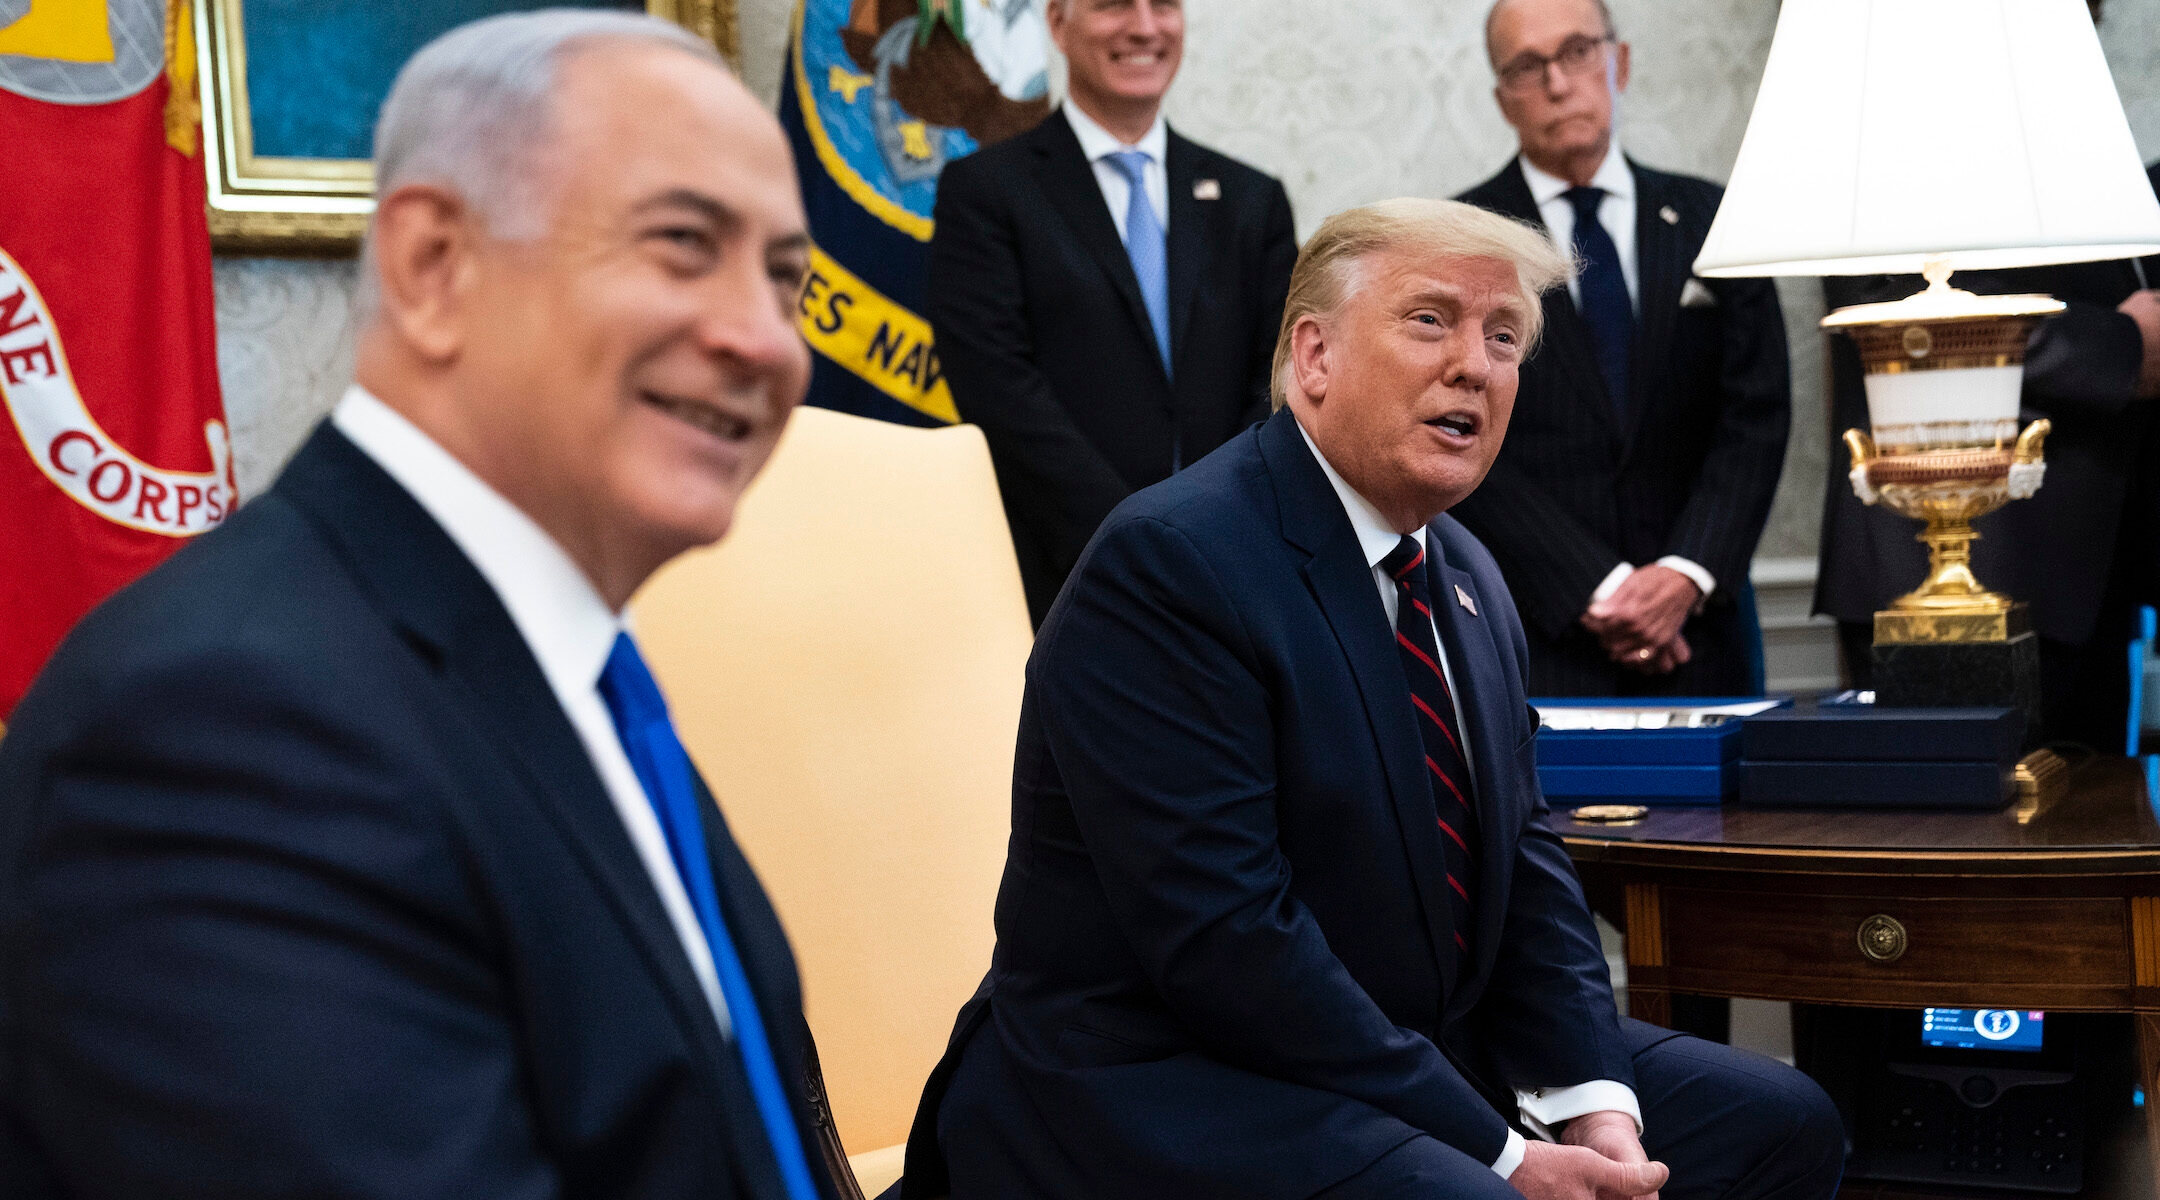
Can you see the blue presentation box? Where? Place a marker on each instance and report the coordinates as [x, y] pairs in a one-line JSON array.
[[1660, 786], [1973, 786], [1704, 747], [1676, 765], [1873, 733]]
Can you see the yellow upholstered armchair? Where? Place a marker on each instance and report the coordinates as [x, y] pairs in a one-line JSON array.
[[846, 669]]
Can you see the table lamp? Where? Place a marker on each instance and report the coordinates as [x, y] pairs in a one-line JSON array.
[[1928, 136]]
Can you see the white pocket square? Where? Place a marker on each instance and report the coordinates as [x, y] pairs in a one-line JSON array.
[[1696, 295]]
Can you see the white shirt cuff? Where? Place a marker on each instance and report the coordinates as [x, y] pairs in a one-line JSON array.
[[1511, 1157], [1703, 580], [1545, 1109], [1613, 581]]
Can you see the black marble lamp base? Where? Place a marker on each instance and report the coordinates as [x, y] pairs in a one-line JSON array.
[[1963, 675]]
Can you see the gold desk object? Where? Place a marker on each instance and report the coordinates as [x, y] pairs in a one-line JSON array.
[[1610, 814], [2043, 778], [1947, 490]]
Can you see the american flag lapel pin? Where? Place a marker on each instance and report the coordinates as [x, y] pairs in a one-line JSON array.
[[1463, 598], [1207, 189]]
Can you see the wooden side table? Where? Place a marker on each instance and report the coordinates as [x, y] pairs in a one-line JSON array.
[[1897, 909]]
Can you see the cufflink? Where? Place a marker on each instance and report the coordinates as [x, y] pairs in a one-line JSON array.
[[1206, 189]]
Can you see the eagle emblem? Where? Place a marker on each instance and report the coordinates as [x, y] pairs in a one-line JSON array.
[[892, 90]]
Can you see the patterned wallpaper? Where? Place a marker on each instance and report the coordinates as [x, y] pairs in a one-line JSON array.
[[1347, 101], [285, 351]]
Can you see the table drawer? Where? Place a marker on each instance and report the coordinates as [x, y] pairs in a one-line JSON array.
[[2061, 951]]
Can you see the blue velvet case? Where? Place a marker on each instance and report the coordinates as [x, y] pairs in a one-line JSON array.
[[1653, 785], [1659, 767], [1867, 733], [1982, 786]]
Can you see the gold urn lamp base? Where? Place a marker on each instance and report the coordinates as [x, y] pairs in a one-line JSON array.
[[1947, 490], [1944, 369]]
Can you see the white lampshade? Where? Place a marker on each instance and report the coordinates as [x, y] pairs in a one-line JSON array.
[[1985, 133]]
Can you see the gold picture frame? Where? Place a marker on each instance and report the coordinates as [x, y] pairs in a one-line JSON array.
[[281, 205]]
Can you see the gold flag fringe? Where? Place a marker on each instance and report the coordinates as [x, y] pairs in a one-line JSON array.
[[183, 102]]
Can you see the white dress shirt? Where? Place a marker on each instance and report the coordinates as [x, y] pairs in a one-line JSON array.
[[564, 622], [1617, 215], [1541, 1108], [1098, 144]]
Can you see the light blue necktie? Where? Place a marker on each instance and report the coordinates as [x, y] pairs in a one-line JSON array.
[[1145, 245], [663, 767]]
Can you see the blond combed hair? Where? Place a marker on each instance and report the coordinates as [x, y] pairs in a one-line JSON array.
[[1327, 267]]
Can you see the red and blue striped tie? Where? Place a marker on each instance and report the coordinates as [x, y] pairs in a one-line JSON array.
[[1446, 766]]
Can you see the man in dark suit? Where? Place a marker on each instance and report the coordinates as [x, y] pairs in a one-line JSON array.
[[1105, 292], [1627, 503], [351, 852], [2084, 550], [1282, 916]]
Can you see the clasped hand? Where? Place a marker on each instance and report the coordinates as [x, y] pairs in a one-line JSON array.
[[1599, 1157], [1639, 624]]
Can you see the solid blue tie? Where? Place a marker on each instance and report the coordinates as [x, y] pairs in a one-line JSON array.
[[1605, 306], [663, 767], [1146, 246]]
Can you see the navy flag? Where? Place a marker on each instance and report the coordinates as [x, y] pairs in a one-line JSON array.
[[878, 96]]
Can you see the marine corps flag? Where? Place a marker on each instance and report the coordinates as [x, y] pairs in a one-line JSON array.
[[879, 95], [115, 450]]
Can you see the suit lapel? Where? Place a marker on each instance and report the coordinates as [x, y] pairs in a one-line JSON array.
[[761, 947], [1191, 233], [1069, 182], [1481, 690], [1566, 358], [1661, 271], [1342, 582], [439, 601], [754, 927]]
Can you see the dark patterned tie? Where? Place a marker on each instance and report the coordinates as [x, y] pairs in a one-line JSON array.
[[1604, 303], [1446, 766]]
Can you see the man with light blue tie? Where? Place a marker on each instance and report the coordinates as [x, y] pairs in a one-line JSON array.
[[1105, 292], [352, 852], [1627, 502]]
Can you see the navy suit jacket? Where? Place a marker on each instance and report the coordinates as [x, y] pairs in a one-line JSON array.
[[308, 888], [1216, 964], [1686, 464], [1045, 337]]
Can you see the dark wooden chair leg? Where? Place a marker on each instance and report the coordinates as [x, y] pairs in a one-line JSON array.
[[826, 1132]]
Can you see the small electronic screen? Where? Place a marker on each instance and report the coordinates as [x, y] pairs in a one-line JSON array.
[[1982, 1028]]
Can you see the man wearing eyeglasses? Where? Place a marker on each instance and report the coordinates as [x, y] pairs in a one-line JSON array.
[[1627, 501]]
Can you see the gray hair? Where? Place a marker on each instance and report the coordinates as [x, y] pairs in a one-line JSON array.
[[471, 111], [1493, 14], [1329, 266]]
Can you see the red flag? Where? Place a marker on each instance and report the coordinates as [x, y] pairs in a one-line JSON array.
[[108, 354]]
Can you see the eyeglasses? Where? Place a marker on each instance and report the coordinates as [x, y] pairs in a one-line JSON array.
[[1526, 72]]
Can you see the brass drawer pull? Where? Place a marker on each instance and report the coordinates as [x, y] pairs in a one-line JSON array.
[[1882, 938]]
